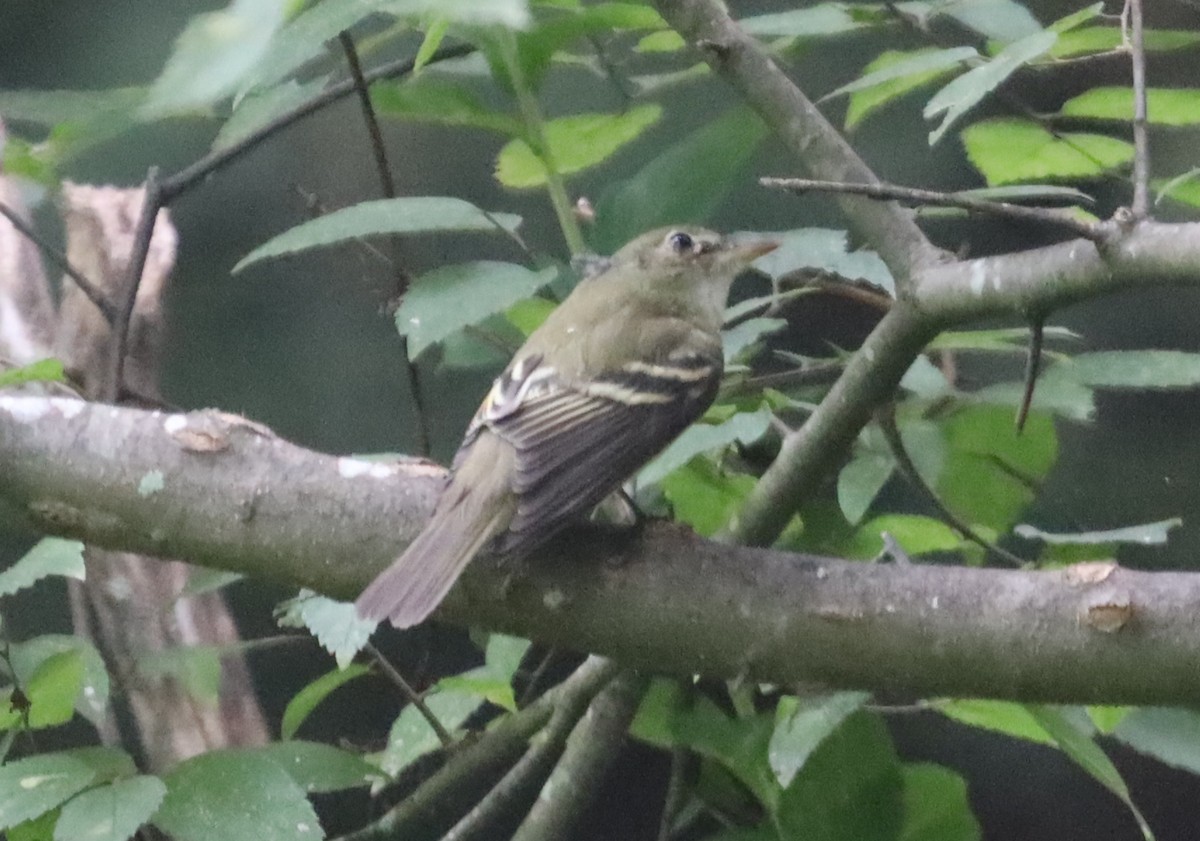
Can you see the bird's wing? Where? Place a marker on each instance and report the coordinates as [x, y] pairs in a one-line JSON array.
[[575, 442]]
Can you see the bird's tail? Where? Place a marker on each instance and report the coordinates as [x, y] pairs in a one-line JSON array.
[[416, 582]]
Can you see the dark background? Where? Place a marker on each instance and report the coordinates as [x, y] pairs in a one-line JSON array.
[[302, 344]]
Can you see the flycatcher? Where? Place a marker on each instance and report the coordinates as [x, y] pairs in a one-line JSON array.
[[614, 374]]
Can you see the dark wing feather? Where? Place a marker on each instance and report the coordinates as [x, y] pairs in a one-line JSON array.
[[575, 444]]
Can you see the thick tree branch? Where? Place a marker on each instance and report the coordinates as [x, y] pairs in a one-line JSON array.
[[236, 497], [890, 229]]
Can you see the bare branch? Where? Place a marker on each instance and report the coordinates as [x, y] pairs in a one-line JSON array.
[[1141, 138], [1036, 215], [238, 498]]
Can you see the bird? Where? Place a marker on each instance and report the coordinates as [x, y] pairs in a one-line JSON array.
[[615, 373]]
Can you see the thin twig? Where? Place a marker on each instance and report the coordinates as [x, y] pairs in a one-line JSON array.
[[891, 192], [1033, 362], [413, 697], [891, 433], [1141, 139], [388, 186], [89, 289], [820, 374], [151, 204], [676, 789], [530, 690]]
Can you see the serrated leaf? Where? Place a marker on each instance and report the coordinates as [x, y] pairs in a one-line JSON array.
[[936, 806], [445, 300], [214, 55], [865, 102], [110, 812], [1146, 534], [336, 625], [574, 143], [1164, 106], [484, 684], [914, 533], [680, 184], [893, 65], [998, 716], [49, 556], [43, 371], [307, 699], [319, 768], [37, 784], [861, 480], [825, 249], [411, 737], [1000, 20], [965, 92], [1010, 150], [746, 427], [504, 654], [1076, 742], [226, 794], [407, 215], [801, 724]]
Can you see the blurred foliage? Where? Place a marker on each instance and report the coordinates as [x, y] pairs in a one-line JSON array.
[[772, 762]]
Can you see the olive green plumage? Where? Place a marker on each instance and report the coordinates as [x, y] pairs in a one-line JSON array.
[[619, 369]]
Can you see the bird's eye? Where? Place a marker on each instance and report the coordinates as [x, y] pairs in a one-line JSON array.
[[680, 242]]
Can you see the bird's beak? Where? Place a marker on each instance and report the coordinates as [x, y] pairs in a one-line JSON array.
[[747, 251]]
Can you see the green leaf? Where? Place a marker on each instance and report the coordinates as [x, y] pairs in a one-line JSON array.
[[894, 73], [1146, 534], [1076, 742], [1009, 150], [850, 787], [1170, 735], [510, 13], [504, 654], [51, 692], [818, 21], [537, 47], [1164, 106], [435, 33], [665, 41], [407, 215], [436, 100], [51, 107], [669, 716], [485, 685], [825, 249], [110, 812], [742, 340], [1003, 340], [49, 556], [1184, 187], [91, 697], [1056, 393], [40, 828], [575, 143], [336, 625], [226, 794], [1107, 718], [1136, 369], [936, 806], [992, 471], [861, 480], [704, 497], [411, 737], [445, 300], [319, 768], [214, 55], [308, 698], [680, 185], [966, 91], [746, 427], [1000, 20], [802, 724], [45, 370], [262, 106], [1005, 717], [196, 667], [916, 535], [528, 314], [32, 786], [1103, 39]]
